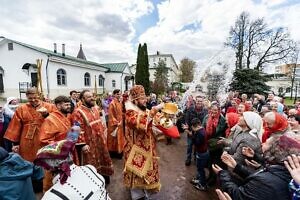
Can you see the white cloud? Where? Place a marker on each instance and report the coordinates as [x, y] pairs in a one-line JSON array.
[[215, 18], [194, 28], [104, 27]]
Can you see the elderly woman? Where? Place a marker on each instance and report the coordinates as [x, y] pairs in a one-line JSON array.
[[9, 110], [269, 183], [294, 122], [247, 135]]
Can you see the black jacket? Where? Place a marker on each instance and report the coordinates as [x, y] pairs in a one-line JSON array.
[[192, 113], [270, 183]]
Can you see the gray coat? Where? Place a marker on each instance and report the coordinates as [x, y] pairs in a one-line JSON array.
[[242, 139]]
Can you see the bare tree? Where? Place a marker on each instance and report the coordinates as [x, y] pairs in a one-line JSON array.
[[256, 34], [294, 59], [256, 45], [278, 47], [237, 37]]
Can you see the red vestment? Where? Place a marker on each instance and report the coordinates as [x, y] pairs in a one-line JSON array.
[[54, 128], [115, 117], [24, 128], [93, 135], [139, 132]]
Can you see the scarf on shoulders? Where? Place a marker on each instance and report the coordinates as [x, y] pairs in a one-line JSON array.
[[212, 123]]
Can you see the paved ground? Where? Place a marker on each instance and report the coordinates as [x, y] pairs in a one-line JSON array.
[[175, 176]]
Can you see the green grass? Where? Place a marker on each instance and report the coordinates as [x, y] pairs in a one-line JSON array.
[[288, 101]]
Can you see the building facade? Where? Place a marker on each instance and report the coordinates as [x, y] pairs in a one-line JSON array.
[[59, 73], [173, 70]]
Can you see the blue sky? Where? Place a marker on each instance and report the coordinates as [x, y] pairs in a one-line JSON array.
[[110, 30], [146, 21]]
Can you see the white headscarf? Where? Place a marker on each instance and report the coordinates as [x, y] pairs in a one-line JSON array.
[[10, 109], [254, 122]]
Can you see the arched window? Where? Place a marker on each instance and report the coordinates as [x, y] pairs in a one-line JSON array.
[[61, 77], [101, 81], [288, 90], [87, 79], [280, 90], [113, 83]]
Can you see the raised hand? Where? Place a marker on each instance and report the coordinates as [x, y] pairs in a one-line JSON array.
[[216, 168], [293, 165], [223, 195], [228, 160], [252, 163], [247, 151]]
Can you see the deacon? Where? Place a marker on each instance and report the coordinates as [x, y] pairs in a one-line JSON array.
[[95, 151], [55, 128], [115, 132], [24, 128]]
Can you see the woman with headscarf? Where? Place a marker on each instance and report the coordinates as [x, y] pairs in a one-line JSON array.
[[9, 111], [215, 126], [275, 123], [250, 124], [231, 120]]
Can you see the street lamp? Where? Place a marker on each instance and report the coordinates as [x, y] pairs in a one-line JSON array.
[[296, 92]]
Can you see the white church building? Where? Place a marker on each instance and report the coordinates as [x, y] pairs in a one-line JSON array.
[[60, 73]]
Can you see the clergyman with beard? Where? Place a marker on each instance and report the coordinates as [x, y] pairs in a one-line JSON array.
[[141, 162], [94, 152], [55, 128]]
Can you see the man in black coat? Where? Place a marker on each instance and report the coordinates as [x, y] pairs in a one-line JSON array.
[[197, 111], [268, 183]]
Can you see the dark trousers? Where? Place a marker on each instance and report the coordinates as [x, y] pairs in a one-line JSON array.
[[189, 150], [202, 163]]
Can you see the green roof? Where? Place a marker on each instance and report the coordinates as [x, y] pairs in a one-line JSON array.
[[115, 67], [51, 53]]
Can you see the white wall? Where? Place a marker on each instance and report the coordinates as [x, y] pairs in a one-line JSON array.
[[170, 64], [74, 80], [12, 62]]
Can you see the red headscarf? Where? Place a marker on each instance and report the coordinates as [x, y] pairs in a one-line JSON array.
[[280, 125], [212, 123], [231, 109], [237, 100], [232, 120]]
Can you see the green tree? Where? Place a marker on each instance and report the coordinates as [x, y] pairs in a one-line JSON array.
[[249, 81], [187, 67], [160, 84], [142, 68]]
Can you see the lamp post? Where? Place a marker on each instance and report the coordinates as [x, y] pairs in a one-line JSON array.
[[296, 92]]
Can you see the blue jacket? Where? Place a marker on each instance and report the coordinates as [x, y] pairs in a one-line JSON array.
[[15, 178]]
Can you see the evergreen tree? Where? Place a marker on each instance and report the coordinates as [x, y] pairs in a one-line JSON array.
[[160, 84], [138, 73], [142, 68], [249, 81], [146, 70]]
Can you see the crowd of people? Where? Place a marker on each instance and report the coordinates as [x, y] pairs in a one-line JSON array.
[[248, 147]]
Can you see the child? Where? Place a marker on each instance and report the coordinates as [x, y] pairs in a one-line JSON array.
[[202, 155]]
